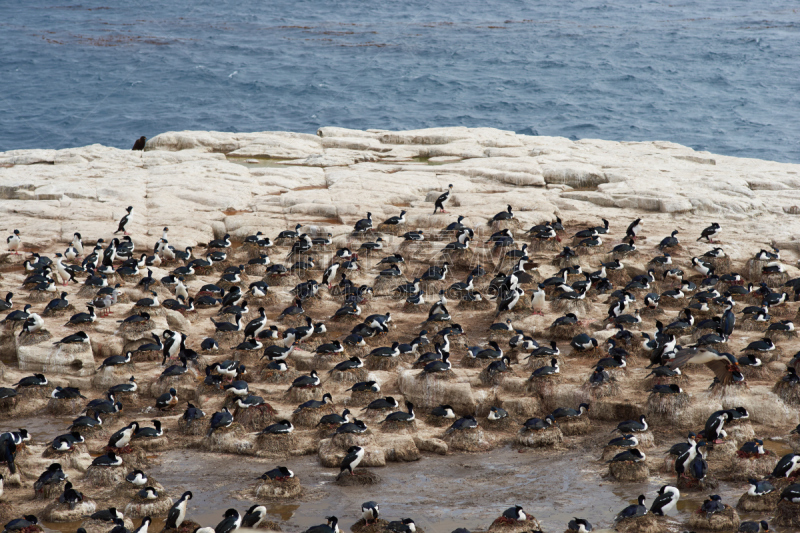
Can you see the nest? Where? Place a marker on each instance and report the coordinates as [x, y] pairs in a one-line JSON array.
[[360, 477], [604, 390], [359, 398], [100, 526], [686, 484], [472, 362], [758, 373], [269, 299], [550, 245], [49, 491], [155, 444], [722, 265], [193, 427], [727, 520], [750, 504], [543, 387], [228, 338], [276, 444], [60, 512], [469, 440], [742, 468], [255, 418], [564, 331], [398, 427], [574, 426], [58, 407], [139, 508], [308, 418], [104, 476], [551, 436], [77, 459], [478, 305], [186, 527], [629, 471], [353, 375], [648, 523], [40, 296], [667, 408], [69, 309], [269, 375], [152, 311], [382, 363], [787, 392], [301, 395], [493, 379], [272, 488], [232, 439], [37, 337], [506, 525]]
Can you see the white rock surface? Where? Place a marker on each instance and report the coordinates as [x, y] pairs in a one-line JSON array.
[[200, 182]]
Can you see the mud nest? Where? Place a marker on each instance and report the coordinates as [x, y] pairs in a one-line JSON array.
[[579, 307], [543, 438], [77, 459], [139, 508], [276, 444], [100, 526], [667, 408], [59, 407], [301, 395], [308, 418], [232, 439], [104, 476], [377, 526], [492, 379], [359, 398], [272, 488], [49, 491], [686, 484], [565, 332], [787, 392], [742, 468], [399, 427], [69, 309], [604, 390], [629, 471], [154, 444], [60, 512], [544, 386], [255, 418], [506, 525], [479, 305], [193, 427], [37, 337], [354, 375], [186, 527], [750, 504], [727, 520], [575, 426], [269, 375], [648, 523], [473, 362], [382, 363], [470, 440], [361, 477]]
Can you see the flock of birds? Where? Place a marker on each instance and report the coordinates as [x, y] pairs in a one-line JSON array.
[[509, 290]]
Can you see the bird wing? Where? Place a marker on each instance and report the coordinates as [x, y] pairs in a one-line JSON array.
[[720, 369], [682, 357]]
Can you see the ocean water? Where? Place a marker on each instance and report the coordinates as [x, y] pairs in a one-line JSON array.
[[718, 75]]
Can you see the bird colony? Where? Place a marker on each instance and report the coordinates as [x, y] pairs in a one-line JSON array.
[[371, 342]]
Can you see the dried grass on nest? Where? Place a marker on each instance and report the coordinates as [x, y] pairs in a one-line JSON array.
[[648, 523], [163, 383], [194, 427], [750, 504], [565, 332], [492, 380], [349, 376], [378, 526], [722, 265], [385, 285], [359, 398], [667, 408], [269, 299], [31, 393], [271, 488], [398, 427], [727, 520], [787, 392], [470, 440], [141, 508], [743, 468], [543, 386], [7, 404], [506, 525], [61, 512], [550, 245], [308, 418], [749, 324], [382, 363], [232, 439], [69, 309], [540, 439], [281, 280], [276, 444], [65, 407], [605, 390], [154, 444], [629, 471], [152, 311], [41, 296], [228, 338], [300, 395], [48, 492], [777, 336], [255, 418], [692, 485], [104, 476], [37, 337], [361, 477], [186, 527], [268, 375], [574, 426], [760, 373], [479, 305], [100, 526], [343, 441], [255, 270], [294, 321]]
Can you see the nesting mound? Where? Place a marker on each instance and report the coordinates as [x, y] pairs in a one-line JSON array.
[[194, 427], [302, 395], [787, 514], [505, 525], [49, 491], [276, 444], [787, 392], [104, 476], [255, 418], [750, 504], [382, 363], [139, 508], [727, 520], [271, 488], [575, 426], [579, 307], [360, 477], [60, 512], [743, 468], [186, 527], [58, 407], [629, 471], [308, 418], [470, 440], [667, 408], [551, 436], [648, 523], [349, 376], [99, 526], [232, 439], [29, 339], [359, 398], [692, 485], [77, 459], [155, 444]]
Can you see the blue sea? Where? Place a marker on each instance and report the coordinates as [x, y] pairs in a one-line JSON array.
[[717, 75]]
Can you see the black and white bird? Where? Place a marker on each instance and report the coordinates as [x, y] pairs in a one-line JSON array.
[[666, 500], [442, 199], [124, 221], [177, 513], [355, 454]]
